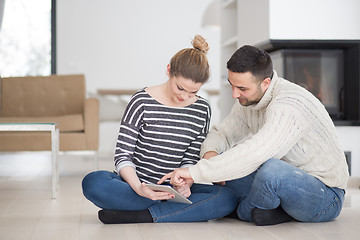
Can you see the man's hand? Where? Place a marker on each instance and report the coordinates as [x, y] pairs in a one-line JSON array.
[[184, 190], [210, 154], [178, 178]]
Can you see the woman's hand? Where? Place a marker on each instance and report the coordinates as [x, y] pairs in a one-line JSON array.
[[129, 176], [145, 191]]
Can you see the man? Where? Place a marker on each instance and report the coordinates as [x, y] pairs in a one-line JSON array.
[[278, 146]]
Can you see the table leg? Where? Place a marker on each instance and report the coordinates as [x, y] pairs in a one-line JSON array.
[[54, 160]]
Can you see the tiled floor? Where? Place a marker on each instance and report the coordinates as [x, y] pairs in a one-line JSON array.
[[27, 211]]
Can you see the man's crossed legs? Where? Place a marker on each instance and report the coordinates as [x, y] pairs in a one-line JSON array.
[[279, 192]]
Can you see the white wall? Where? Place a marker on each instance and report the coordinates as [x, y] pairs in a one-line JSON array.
[[253, 21], [314, 19], [297, 19], [128, 43], [350, 141]]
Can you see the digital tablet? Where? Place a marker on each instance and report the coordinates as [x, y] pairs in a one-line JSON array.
[[165, 188]]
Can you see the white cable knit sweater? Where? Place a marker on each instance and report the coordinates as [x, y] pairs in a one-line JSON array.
[[288, 123]]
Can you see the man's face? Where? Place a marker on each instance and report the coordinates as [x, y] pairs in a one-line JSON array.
[[246, 88]]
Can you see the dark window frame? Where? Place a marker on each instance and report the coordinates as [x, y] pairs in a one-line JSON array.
[[53, 37]]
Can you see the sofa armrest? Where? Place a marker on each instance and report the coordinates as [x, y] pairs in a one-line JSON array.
[[91, 122]]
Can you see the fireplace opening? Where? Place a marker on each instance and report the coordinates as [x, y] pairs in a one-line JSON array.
[[329, 69], [319, 71]]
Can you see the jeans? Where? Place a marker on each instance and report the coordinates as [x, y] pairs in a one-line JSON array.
[[301, 195], [108, 191]]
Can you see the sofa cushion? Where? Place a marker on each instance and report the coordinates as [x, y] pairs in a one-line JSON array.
[[41, 141], [42, 96], [66, 123]]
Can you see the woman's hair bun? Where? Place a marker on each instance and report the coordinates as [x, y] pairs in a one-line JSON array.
[[192, 63], [200, 44]]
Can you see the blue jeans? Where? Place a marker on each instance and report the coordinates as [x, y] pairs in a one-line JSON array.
[[302, 196], [108, 191]]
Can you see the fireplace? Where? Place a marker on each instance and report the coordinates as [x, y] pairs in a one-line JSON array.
[[330, 69], [319, 71]]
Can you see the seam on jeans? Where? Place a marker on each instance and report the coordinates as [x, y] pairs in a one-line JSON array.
[[335, 203], [339, 193], [187, 208], [152, 215]]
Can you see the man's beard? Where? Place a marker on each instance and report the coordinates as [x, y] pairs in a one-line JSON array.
[[246, 102]]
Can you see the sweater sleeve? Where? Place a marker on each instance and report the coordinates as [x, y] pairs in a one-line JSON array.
[[128, 134], [191, 155], [283, 127], [228, 133]]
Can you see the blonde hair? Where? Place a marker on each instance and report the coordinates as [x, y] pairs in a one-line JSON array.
[[192, 63]]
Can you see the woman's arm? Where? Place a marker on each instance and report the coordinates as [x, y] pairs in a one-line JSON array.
[[192, 154]]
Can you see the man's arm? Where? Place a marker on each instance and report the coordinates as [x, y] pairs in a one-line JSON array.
[[179, 177], [211, 154], [228, 133], [284, 127]]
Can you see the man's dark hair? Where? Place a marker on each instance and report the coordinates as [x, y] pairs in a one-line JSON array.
[[253, 60]]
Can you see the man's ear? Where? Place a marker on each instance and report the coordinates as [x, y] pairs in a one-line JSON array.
[[266, 83]]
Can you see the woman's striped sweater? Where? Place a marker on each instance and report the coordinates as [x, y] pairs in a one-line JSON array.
[[155, 139]]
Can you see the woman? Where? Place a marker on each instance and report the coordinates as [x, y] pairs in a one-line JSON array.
[[162, 129]]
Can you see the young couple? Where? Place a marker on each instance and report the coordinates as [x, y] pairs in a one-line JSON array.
[[274, 159]]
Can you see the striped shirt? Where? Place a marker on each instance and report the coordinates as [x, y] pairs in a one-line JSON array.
[[155, 139]]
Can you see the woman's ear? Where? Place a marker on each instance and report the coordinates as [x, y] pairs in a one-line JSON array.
[[168, 70]]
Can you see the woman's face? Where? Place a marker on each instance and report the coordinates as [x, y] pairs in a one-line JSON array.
[[183, 90]]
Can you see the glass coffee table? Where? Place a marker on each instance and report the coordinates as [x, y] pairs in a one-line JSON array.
[[36, 127]]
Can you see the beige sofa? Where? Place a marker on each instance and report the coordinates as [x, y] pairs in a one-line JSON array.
[[56, 98]]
